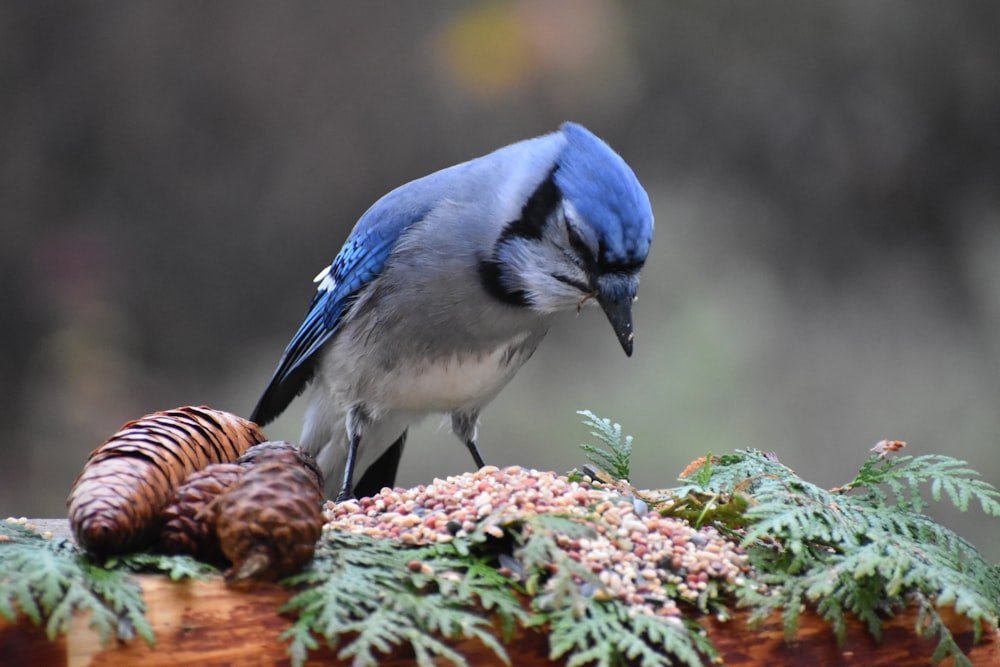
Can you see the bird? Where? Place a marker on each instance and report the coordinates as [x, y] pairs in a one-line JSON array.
[[447, 285]]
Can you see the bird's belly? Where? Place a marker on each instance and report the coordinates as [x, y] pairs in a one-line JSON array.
[[448, 383]]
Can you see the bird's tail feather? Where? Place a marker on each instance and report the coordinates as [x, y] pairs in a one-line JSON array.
[[382, 472]]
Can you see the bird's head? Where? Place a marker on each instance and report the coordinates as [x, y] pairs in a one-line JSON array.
[[581, 239]]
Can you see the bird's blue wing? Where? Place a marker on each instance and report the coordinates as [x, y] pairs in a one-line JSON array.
[[357, 264]]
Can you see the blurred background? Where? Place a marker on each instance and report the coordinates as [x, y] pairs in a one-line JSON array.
[[825, 178]]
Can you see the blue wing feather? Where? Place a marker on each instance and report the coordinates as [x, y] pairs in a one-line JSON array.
[[358, 263]]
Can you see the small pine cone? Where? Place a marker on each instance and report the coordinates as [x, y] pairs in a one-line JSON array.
[[127, 481], [269, 521], [279, 451], [189, 520]]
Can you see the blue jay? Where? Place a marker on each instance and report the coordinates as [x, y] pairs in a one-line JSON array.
[[447, 285]]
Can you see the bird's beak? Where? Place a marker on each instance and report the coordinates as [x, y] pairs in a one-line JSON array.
[[615, 294]]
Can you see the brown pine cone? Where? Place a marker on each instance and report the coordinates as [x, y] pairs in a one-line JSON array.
[[269, 521], [189, 520], [284, 452], [117, 498]]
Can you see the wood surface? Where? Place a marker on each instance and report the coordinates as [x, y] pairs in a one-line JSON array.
[[207, 624]]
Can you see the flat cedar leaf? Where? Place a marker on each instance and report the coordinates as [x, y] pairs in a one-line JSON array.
[[615, 460], [301, 643], [177, 567], [60, 617], [366, 600], [124, 599], [50, 582], [7, 607], [43, 573], [379, 636], [24, 598], [585, 656], [790, 619], [606, 634], [388, 628], [859, 553]]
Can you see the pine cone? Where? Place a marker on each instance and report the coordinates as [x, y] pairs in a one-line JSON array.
[[269, 521], [127, 481], [189, 520], [274, 451]]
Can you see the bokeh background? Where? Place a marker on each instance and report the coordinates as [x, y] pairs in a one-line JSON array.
[[825, 178]]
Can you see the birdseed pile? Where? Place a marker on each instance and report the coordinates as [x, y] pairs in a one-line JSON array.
[[638, 556]]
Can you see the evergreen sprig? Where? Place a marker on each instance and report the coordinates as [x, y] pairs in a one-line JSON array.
[[176, 567], [606, 634], [49, 581], [617, 458], [367, 597], [863, 549], [905, 475]]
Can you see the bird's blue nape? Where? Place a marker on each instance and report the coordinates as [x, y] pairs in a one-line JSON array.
[[604, 191]]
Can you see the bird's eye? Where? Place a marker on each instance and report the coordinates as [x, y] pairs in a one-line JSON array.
[[578, 244]]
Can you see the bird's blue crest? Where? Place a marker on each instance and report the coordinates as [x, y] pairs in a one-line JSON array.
[[605, 192]]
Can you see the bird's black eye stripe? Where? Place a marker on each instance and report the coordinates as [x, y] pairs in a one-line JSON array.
[[576, 242], [627, 268], [608, 265], [536, 211], [583, 287], [583, 254]]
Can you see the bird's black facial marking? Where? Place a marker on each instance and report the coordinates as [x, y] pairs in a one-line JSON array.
[[491, 278], [629, 267], [617, 264], [578, 245], [576, 284], [580, 253], [542, 203]]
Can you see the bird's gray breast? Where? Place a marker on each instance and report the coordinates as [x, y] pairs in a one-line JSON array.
[[425, 337]]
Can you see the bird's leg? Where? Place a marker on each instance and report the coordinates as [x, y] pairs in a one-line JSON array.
[[345, 488], [463, 425], [357, 419], [474, 450]]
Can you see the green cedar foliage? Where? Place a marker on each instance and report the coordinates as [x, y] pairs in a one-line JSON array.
[[863, 549], [366, 597], [49, 581], [617, 458]]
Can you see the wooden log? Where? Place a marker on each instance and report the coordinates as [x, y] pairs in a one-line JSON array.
[[205, 623]]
